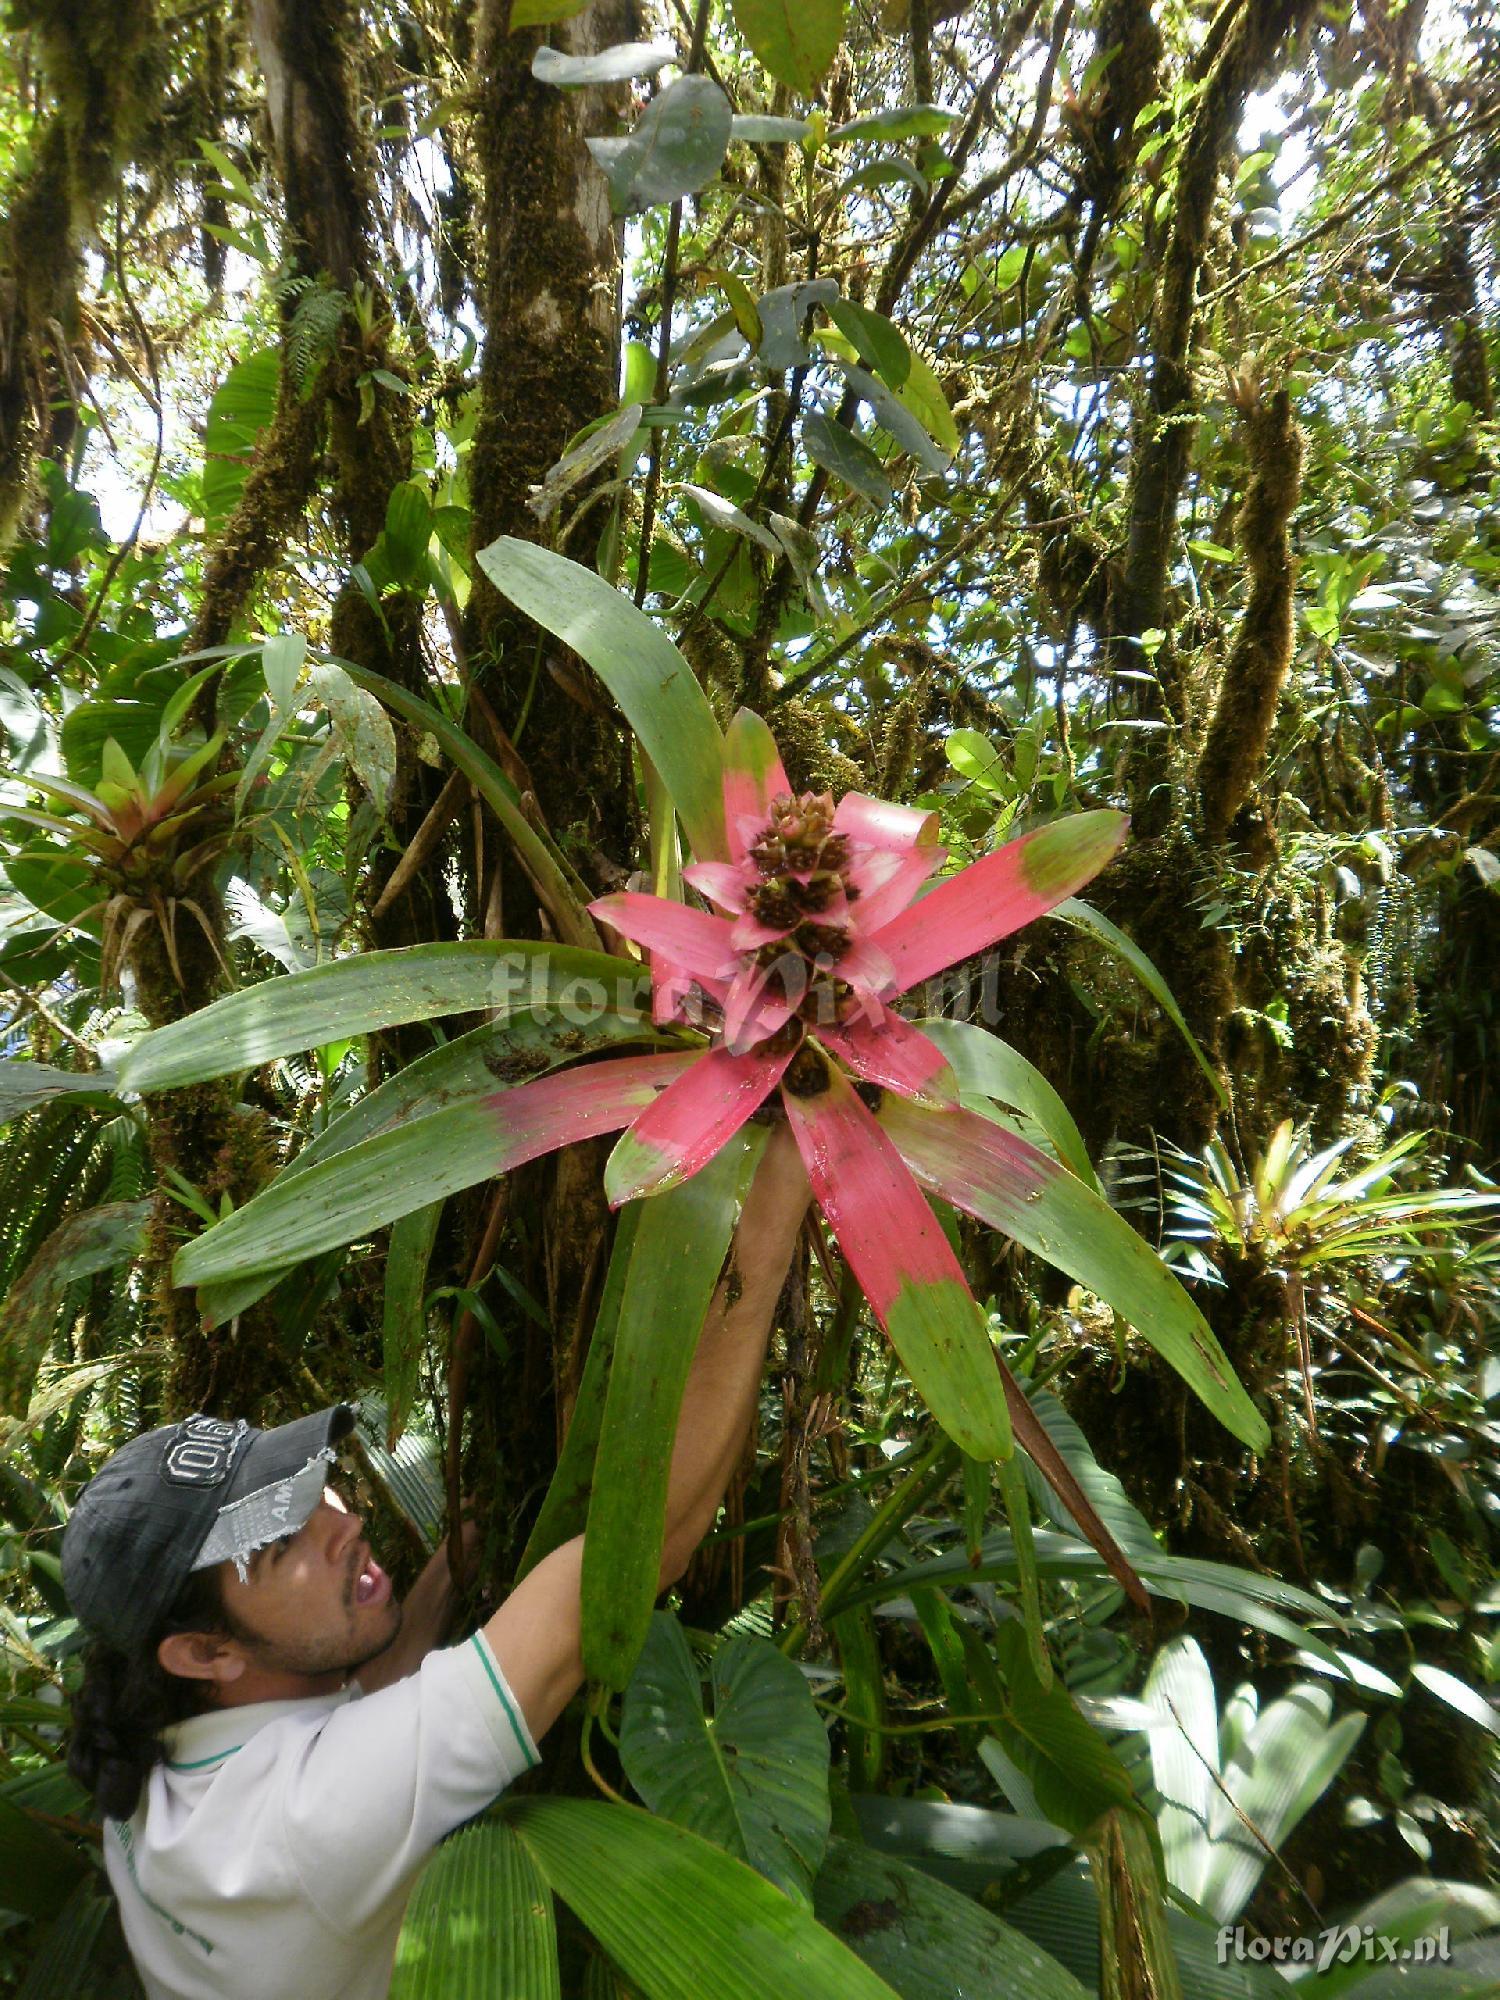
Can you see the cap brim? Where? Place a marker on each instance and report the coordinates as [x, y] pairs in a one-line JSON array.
[[272, 1456]]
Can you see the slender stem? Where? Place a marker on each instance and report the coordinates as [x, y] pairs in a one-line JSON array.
[[929, 1471]]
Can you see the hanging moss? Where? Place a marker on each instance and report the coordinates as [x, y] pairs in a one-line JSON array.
[[812, 763]]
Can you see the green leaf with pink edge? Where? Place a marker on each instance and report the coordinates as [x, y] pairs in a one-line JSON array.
[[680, 1133], [680, 1244], [358, 1191], [992, 898], [896, 1248], [753, 775], [637, 662], [991, 1174]]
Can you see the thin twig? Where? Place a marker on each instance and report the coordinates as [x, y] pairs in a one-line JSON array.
[[39, 1007], [423, 841]]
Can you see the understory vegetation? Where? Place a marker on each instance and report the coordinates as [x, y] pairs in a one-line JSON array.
[[486, 481]]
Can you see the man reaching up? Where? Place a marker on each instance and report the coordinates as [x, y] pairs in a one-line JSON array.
[[265, 1811]]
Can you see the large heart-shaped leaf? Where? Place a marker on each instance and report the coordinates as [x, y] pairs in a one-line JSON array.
[[752, 1774]]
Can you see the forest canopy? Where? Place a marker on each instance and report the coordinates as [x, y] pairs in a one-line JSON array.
[[580, 581]]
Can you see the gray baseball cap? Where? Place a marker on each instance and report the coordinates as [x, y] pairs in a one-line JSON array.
[[183, 1498]]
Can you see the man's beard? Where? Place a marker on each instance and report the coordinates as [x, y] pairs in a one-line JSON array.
[[326, 1657]]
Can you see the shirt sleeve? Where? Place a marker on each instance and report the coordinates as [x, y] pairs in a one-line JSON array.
[[386, 1777]]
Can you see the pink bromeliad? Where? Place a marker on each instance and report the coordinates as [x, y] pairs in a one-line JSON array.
[[821, 931]]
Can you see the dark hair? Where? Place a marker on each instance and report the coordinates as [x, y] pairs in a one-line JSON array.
[[126, 1701]]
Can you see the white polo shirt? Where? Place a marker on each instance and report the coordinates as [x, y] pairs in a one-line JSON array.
[[272, 1852]]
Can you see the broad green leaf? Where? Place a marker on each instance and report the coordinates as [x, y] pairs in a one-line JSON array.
[[1071, 1769], [408, 530], [640, 666], [680, 1244], [796, 40], [26, 1085], [682, 1919], [361, 729], [926, 1940], [892, 413], [752, 1774], [96, 1240], [922, 394], [597, 447], [1291, 1753], [479, 1924], [987, 1067], [281, 659], [611, 65], [1184, 1759], [677, 146], [722, 513], [783, 313], [1084, 917], [403, 1319], [344, 1199], [242, 406], [354, 996], [898, 121], [756, 130], [880, 345], [846, 455]]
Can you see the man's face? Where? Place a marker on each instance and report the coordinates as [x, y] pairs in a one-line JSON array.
[[316, 1602]]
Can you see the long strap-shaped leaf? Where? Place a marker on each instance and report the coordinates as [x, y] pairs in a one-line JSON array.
[[92, 1241], [640, 666], [565, 1510], [902, 1259], [680, 1244], [356, 1192], [479, 1925], [353, 996], [25, 1085], [990, 1173], [681, 1919], [560, 890], [514, 1049], [1049, 1461], [988, 1067]]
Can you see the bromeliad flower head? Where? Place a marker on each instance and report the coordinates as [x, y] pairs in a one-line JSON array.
[[819, 930]]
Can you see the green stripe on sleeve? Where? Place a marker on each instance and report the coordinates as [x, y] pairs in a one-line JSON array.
[[505, 1701]]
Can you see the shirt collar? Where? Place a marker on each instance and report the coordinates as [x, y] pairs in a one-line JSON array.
[[207, 1739]]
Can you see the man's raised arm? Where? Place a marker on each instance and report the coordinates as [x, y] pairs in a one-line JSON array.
[[536, 1635]]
